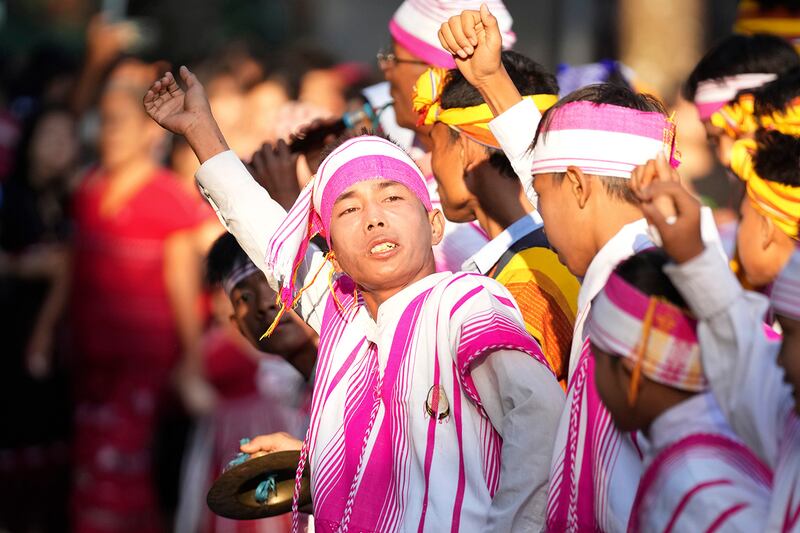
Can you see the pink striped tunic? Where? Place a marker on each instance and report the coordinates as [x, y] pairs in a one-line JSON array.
[[374, 448], [699, 476]]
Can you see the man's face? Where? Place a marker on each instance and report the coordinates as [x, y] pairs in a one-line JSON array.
[[402, 77], [789, 356], [255, 308], [720, 142], [447, 163], [612, 382], [382, 236], [760, 263], [565, 221]]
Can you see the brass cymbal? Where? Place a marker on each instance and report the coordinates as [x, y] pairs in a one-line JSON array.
[[234, 493]]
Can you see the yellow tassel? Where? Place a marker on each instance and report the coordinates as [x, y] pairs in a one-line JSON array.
[[647, 323]]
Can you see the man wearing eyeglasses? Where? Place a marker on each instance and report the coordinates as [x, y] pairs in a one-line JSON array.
[[415, 47]]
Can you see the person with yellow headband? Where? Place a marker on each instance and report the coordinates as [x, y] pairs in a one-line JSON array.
[[477, 183], [753, 374], [768, 233], [738, 63]]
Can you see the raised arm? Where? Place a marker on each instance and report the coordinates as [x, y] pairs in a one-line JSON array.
[[244, 207], [474, 40], [739, 362]]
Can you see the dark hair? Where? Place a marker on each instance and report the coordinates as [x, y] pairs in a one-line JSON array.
[[528, 76], [330, 147], [612, 94], [778, 157], [774, 96], [742, 54], [222, 258], [645, 271]]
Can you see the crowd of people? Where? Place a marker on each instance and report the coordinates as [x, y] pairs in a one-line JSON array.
[[470, 298]]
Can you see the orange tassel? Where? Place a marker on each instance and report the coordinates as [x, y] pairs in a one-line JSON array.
[[636, 377]]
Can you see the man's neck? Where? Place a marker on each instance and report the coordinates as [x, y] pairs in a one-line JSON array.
[[304, 359], [615, 217], [501, 199], [374, 298]]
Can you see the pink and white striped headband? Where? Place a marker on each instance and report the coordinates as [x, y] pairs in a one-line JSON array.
[[603, 139], [622, 319], [785, 295], [362, 158], [415, 25], [712, 95], [241, 269]]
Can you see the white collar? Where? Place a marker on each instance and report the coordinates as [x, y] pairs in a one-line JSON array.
[[630, 239], [485, 258], [698, 414]]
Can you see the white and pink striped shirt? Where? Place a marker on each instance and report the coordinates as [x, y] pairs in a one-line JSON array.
[[413, 427], [698, 474], [739, 360]]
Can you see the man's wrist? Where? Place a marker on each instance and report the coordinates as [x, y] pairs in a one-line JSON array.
[[205, 138], [498, 91]]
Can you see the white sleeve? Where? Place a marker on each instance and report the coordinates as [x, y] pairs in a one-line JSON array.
[[246, 210], [738, 359], [524, 402], [515, 129]]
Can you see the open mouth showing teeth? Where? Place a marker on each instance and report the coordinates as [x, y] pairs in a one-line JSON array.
[[383, 247]]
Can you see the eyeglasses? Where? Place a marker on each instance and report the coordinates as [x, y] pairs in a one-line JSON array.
[[387, 59]]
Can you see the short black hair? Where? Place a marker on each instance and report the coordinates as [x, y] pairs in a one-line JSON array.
[[343, 138], [773, 97], [222, 258], [528, 76], [742, 54], [645, 271], [778, 157], [612, 94]]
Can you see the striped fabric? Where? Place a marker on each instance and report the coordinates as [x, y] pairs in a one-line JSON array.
[[703, 482], [547, 295], [712, 95], [398, 440], [415, 25], [603, 139]]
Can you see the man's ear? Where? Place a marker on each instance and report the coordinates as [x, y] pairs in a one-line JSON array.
[[767, 231], [473, 154], [579, 184], [335, 263], [436, 219]]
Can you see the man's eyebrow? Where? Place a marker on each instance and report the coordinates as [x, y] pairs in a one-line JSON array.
[[385, 184], [345, 196]]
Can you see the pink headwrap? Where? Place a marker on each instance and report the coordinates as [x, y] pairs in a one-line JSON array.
[[416, 23], [603, 139], [359, 159], [712, 95], [655, 335]]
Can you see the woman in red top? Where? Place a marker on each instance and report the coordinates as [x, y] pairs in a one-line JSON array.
[[134, 310]]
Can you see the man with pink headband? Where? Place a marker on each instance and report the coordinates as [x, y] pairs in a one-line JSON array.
[[579, 171], [754, 377], [737, 63], [698, 475], [432, 407], [415, 48]]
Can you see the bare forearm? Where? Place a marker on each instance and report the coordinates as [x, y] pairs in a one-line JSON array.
[[499, 92], [206, 139]]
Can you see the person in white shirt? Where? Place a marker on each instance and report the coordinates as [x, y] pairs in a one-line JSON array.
[[698, 475], [429, 395]]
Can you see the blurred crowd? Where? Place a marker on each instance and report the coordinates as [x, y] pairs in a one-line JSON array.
[[122, 364]]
